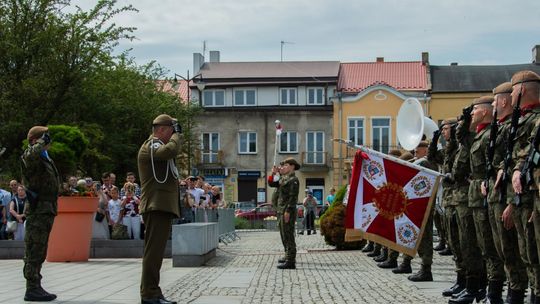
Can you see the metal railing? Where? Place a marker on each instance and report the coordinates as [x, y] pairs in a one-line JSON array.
[[209, 157]]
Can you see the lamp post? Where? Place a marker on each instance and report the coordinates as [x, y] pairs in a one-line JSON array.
[[200, 86]]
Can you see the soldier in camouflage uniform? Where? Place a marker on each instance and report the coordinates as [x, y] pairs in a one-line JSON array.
[[445, 158], [474, 269], [286, 198], [526, 84], [506, 240], [482, 115], [42, 181]]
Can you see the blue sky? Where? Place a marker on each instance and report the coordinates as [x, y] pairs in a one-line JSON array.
[[464, 31]]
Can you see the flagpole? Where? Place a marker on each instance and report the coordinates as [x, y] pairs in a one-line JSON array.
[[380, 154]]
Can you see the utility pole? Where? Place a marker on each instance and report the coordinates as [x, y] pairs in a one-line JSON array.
[[282, 44]]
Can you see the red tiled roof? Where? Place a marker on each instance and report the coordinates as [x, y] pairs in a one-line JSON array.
[[403, 76], [180, 88]]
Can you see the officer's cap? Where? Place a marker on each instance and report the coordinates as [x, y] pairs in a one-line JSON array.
[[291, 161], [503, 88], [483, 100], [525, 76], [36, 132], [163, 120]]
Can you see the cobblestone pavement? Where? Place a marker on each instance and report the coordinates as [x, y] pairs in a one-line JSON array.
[[242, 272], [245, 272]]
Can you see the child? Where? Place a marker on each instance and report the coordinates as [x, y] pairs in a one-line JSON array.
[[130, 204], [115, 206]]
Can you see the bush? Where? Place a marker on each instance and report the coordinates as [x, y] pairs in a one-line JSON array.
[[333, 224]]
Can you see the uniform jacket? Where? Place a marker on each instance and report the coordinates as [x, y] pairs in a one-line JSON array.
[[526, 131], [41, 177], [461, 168], [158, 196], [498, 157], [445, 159], [478, 167], [286, 194]]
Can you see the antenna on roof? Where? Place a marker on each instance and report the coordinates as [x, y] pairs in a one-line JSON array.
[[204, 48], [282, 43]]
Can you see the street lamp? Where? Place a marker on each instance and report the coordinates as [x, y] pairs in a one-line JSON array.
[[200, 86]]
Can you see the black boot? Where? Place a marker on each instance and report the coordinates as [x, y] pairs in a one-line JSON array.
[[368, 247], [287, 265], [456, 288], [423, 275], [445, 252], [494, 294], [376, 251], [516, 296], [472, 293], [383, 256], [36, 295], [440, 246], [388, 264], [282, 260], [533, 296], [404, 267]]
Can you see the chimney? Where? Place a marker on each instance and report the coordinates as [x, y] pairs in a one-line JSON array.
[[536, 54], [454, 63], [214, 56], [380, 59], [425, 58], [198, 61]]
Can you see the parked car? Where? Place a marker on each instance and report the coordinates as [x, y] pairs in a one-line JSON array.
[[244, 206], [258, 213]]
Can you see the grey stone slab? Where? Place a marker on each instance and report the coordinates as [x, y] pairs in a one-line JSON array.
[[235, 278], [192, 260], [218, 300]]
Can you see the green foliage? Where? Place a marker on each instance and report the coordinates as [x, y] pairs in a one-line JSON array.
[[333, 224], [241, 223]]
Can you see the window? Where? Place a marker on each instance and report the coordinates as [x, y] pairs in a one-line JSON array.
[[213, 98], [381, 134], [315, 96], [247, 142], [288, 96], [288, 142], [356, 131], [314, 148], [210, 148], [244, 97]]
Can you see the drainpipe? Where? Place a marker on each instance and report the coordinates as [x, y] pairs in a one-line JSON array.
[[340, 118], [266, 156]]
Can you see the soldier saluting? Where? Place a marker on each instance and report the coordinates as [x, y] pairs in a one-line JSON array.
[[285, 198]]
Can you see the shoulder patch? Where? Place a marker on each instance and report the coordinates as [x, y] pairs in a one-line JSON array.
[[156, 143]]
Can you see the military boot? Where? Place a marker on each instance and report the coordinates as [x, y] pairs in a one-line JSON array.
[[282, 260], [515, 296], [423, 275], [287, 265], [404, 267], [532, 298], [494, 294], [456, 288], [446, 251], [440, 246], [389, 263], [472, 293], [383, 256], [36, 295], [368, 247], [375, 252]]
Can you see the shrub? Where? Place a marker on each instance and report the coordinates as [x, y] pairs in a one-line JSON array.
[[241, 223], [333, 224]]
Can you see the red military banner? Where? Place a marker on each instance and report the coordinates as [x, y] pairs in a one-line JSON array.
[[389, 201]]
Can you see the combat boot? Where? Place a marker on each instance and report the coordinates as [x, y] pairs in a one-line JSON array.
[[383, 256], [368, 247], [440, 246], [423, 275], [472, 293], [282, 260], [36, 295], [287, 265], [494, 294], [389, 263], [515, 296], [456, 288], [404, 267], [446, 251], [375, 252]]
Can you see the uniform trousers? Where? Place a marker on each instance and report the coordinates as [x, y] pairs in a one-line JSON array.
[[286, 231], [484, 239], [474, 269], [38, 228], [452, 230]]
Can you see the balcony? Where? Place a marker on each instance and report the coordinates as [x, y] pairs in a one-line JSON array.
[[314, 161], [209, 158]]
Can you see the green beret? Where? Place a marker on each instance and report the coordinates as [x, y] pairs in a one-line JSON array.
[[36, 132], [163, 120], [291, 161], [503, 88], [525, 76], [483, 100]]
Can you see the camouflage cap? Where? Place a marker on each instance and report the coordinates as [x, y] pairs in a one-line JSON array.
[[449, 121], [483, 100], [406, 156], [503, 88], [163, 120], [525, 76], [36, 132], [423, 144], [291, 161]]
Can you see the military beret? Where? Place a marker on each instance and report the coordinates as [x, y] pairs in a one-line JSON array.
[[423, 144], [449, 121], [505, 87], [483, 100], [163, 120], [525, 76], [36, 132], [291, 161], [394, 152], [406, 156]]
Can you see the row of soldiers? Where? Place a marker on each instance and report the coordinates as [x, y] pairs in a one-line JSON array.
[[490, 193]]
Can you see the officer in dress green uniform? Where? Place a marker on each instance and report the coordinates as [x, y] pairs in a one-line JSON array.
[[526, 84], [506, 240], [159, 200], [42, 181], [286, 198]]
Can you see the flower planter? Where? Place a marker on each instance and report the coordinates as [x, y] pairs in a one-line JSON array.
[[71, 233], [271, 224]]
